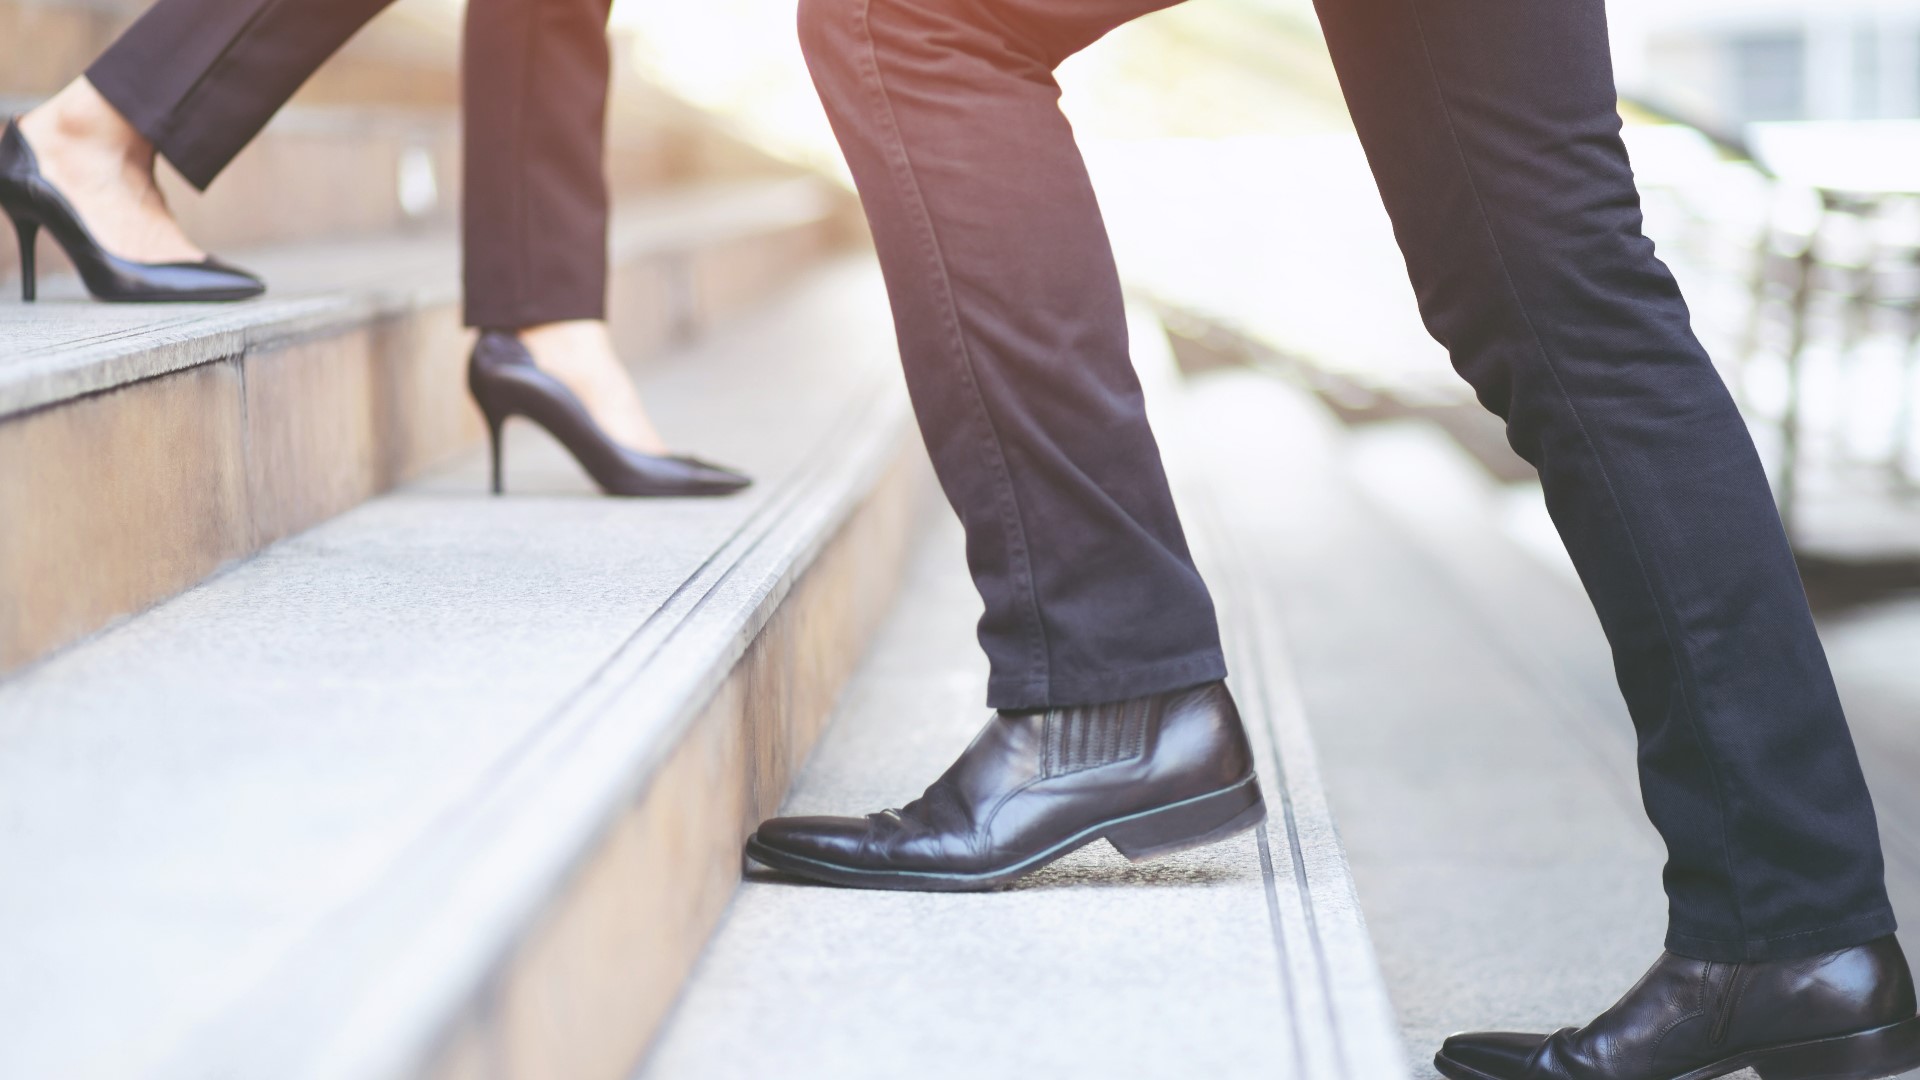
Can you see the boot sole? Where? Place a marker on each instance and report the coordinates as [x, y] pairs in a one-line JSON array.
[[1863, 1055], [1150, 834]]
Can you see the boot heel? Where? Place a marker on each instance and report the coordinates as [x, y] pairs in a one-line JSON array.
[[1194, 823], [29, 232], [1865, 1055]]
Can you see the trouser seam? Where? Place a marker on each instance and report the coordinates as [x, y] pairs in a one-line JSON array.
[[900, 164], [1667, 630]]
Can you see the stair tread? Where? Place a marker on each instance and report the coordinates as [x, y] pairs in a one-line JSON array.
[[1092, 967], [1244, 959], [230, 787], [66, 346], [1484, 785]]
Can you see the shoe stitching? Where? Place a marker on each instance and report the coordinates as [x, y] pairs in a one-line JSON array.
[[1724, 1026]]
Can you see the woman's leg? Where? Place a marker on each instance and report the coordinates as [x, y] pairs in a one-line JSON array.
[[194, 80], [536, 201], [104, 166]]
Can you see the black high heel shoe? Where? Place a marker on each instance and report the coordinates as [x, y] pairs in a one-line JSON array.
[[506, 383], [32, 203]]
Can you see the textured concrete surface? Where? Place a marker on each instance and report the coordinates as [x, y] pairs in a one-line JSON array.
[[1243, 959], [1506, 882], [1092, 968], [352, 383], [1531, 607], [1476, 753], [120, 499], [584, 993], [211, 792], [1873, 650]]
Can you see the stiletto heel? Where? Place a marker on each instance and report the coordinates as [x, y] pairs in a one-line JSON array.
[[504, 382], [493, 443], [31, 202], [29, 233]]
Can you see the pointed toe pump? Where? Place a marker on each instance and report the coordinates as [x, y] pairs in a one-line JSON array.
[[32, 204], [505, 383]]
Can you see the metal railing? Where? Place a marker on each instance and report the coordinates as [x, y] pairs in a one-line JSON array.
[[1803, 258]]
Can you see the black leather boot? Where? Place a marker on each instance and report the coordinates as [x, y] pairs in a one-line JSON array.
[[1846, 1015], [1152, 776]]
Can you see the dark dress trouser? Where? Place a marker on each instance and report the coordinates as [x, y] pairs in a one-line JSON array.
[[1492, 131], [200, 78]]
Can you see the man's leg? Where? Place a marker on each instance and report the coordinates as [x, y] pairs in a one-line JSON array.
[[1009, 315], [1105, 656], [1492, 130]]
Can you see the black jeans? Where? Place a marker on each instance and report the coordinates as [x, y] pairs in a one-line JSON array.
[[200, 78], [1492, 131]]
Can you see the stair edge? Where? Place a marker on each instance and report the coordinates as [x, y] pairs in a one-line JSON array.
[[488, 928]]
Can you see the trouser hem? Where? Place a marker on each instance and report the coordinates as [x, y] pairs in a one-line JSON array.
[[1841, 935], [1097, 688], [155, 124], [485, 316]]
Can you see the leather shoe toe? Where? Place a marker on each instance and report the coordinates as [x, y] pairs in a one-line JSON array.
[[1494, 1055], [828, 839]]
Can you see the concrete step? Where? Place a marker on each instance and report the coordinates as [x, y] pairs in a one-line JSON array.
[[143, 448], [454, 786], [1507, 874], [1490, 551], [1246, 959]]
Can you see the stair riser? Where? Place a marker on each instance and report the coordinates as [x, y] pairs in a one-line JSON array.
[[118, 501], [669, 300], [114, 502], [42, 47], [582, 994]]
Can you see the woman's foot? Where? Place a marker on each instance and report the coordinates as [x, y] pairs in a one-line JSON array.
[[506, 381], [88, 151], [580, 354]]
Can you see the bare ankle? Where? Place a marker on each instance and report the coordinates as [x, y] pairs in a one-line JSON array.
[[580, 353], [78, 120]]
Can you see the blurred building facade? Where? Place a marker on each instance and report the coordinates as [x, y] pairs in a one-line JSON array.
[[1726, 63]]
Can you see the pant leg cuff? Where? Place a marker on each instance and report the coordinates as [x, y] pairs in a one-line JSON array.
[[154, 123], [487, 315], [1096, 688], [1826, 939]]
